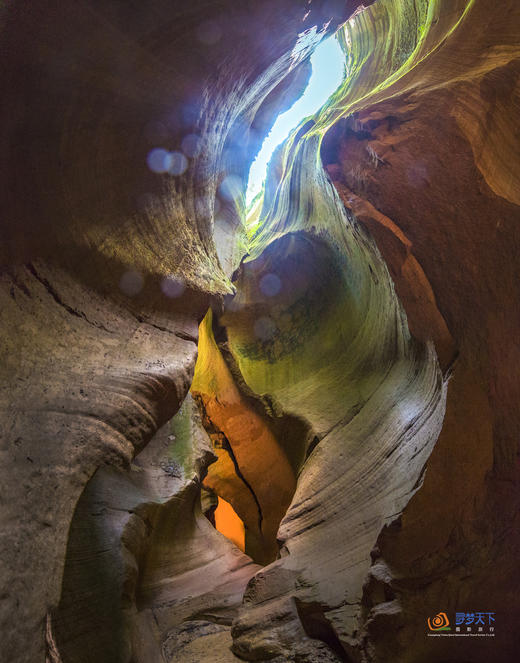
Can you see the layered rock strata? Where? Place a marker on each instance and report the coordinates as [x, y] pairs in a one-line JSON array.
[[108, 260], [381, 264]]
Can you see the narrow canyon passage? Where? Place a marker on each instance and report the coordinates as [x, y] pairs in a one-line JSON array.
[[258, 294], [318, 410]]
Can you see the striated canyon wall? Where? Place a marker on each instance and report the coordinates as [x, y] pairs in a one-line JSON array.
[[354, 378]]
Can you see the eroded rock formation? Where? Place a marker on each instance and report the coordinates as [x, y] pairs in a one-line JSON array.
[[354, 397]]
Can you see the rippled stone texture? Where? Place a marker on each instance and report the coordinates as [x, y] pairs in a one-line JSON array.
[[419, 162], [252, 473], [96, 248], [338, 353], [370, 283]]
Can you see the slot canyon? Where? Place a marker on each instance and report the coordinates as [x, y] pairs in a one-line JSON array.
[[261, 424]]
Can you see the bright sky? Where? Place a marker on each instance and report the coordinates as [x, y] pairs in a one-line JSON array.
[[328, 71]]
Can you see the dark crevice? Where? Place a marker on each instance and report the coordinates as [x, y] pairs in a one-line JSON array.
[[186, 337], [215, 432], [312, 446], [143, 320], [227, 446], [318, 627], [179, 334], [52, 292]]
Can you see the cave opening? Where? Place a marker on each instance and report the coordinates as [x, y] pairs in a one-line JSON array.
[[328, 70]]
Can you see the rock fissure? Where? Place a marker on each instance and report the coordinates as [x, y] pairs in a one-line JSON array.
[[224, 443], [54, 294]]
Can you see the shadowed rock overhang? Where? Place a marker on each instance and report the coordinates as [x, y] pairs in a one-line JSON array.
[[337, 371]]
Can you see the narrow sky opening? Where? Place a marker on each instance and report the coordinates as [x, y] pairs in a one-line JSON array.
[[328, 72]]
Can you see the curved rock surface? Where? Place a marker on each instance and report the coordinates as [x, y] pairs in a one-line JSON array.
[[366, 323], [99, 354], [429, 132], [332, 345]]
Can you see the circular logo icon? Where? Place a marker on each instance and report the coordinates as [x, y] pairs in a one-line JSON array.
[[439, 623]]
